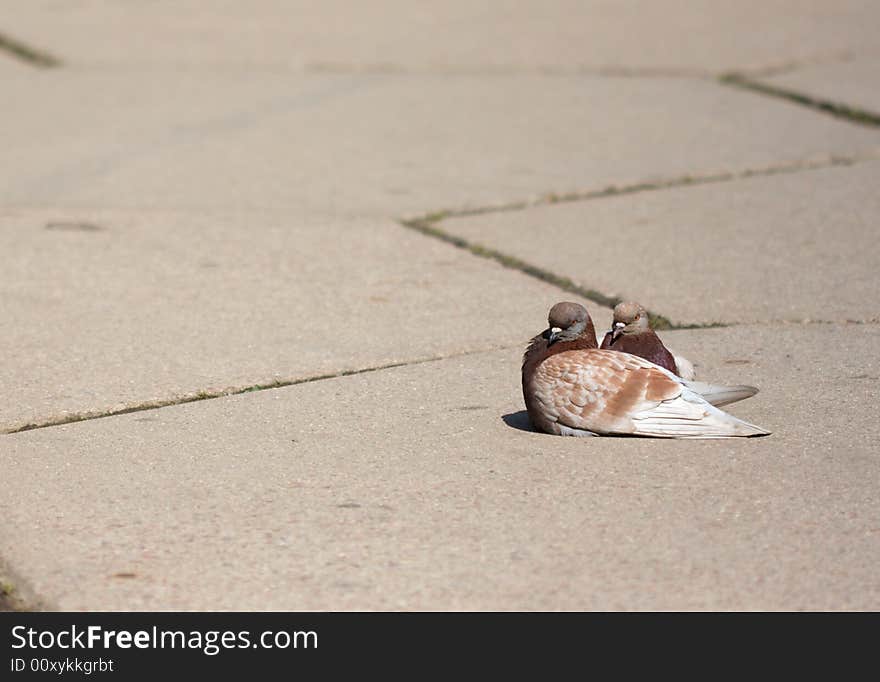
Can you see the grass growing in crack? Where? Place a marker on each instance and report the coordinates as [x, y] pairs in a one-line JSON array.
[[9, 598], [28, 54], [210, 395], [427, 226], [437, 216], [837, 109], [698, 325], [424, 223]]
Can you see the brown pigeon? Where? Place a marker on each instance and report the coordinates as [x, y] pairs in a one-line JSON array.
[[586, 391], [631, 333], [569, 327]]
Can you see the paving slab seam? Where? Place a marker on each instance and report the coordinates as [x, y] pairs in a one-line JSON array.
[[600, 70], [428, 227], [788, 66], [27, 54], [810, 321], [237, 390], [796, 166], [605, 70], [838, 110], [429, 224]]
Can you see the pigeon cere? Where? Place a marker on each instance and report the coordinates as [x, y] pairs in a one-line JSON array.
[[573, 388]]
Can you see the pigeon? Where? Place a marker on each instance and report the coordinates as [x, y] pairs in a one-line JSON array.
[[631, 333], [569, 327], [588, 391]]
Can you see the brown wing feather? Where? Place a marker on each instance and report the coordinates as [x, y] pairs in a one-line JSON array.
[[599, 390]]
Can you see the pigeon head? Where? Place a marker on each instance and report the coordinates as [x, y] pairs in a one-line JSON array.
[[566, 322], [629, 318]]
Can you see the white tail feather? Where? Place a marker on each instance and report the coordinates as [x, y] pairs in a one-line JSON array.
[[721, 395], [689, 416]]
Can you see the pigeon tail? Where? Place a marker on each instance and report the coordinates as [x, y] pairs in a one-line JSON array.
[[721, 395], [706, 421]]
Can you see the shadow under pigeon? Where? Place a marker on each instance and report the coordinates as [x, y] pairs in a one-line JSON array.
[[518, 420]]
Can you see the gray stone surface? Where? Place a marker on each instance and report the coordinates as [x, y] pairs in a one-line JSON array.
[[205, 197], [783, 247], [853, 82], [10, 67], [380, 145], [683, 35], [408, 488], [103, 309]]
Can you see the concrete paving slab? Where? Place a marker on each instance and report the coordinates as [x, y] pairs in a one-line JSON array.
[[382, 145], [107, 309], [853, 82], [783, 247], [416, 488], [681, 35]]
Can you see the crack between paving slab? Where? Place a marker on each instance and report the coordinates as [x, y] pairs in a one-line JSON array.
[[428, 224], [27, 54], [797, 166], [600, 70], [237, 390], [778, 68], [605, 71], [812, 321], [837, 109], [43, 59]]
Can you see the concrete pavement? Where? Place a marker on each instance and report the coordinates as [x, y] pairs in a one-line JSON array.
[[417, 488], [198, 203], [156, 306], [728, 252], [848, 82], [203, 141], [680, 36]]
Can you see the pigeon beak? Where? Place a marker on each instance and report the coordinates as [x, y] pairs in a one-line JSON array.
[[617, 329], [551, 335]]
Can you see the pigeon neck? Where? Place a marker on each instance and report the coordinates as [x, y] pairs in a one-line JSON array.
[[580, 343], [539, 351]]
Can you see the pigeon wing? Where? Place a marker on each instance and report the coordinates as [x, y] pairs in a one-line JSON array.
[[607, 392]]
